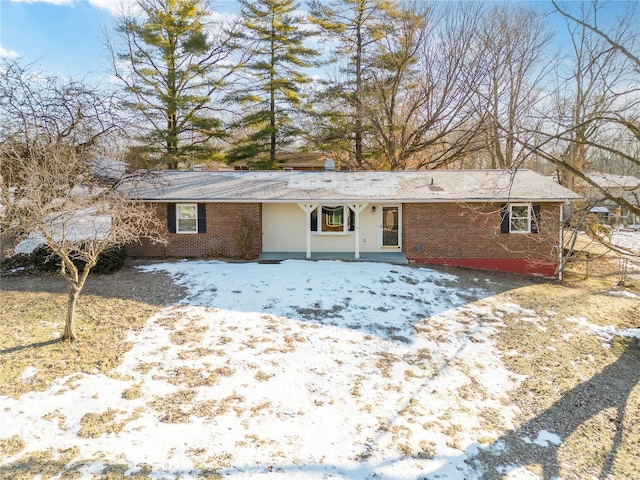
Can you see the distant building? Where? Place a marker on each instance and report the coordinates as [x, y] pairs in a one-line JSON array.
[[620, 186]]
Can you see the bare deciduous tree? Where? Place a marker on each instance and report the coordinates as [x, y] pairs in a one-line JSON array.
[[48, 191], [602, 110], [419, 102], [514, 41]]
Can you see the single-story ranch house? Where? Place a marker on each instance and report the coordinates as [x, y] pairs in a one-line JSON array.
[[486, 219]]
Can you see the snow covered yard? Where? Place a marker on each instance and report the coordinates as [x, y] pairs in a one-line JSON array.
[[299, 370]]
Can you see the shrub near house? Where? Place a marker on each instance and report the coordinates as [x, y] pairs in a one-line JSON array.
[[42, 259]]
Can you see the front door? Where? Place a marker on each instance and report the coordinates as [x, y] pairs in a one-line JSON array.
[[390, 226]]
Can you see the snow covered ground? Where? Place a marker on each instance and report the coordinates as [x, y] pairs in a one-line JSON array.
[[298, 370], [626, 239]]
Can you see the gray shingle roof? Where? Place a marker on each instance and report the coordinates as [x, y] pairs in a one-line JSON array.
[[343, 186], [610, 180]]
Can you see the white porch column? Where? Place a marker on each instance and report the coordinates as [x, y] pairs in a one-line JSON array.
[[307, 208], [357, 209]]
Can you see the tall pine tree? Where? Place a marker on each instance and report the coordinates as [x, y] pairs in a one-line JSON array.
[[356, 25], [271, 93], [172, 66]]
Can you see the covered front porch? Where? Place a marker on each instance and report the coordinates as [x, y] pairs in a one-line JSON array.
[[349, 231], [396, 257]]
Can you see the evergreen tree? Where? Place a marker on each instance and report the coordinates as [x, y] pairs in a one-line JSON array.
[[172, 65], [357, 25], [271, 90]]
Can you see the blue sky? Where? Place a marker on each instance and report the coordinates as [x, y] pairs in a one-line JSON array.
[[65, 37], [62, 39]]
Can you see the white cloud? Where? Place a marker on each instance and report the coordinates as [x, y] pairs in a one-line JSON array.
[[114, 6], [4, 53]]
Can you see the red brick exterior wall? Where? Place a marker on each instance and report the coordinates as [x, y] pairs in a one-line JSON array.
[[444, 233], [469, 235], [225, 224]]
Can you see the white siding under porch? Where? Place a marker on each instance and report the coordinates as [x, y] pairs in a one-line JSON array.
[[284, 230]]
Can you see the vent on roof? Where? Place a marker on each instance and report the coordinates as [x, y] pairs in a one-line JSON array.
[[435, 188], [329, 164]]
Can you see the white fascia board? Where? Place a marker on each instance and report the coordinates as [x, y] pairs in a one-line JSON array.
[[361, 200]]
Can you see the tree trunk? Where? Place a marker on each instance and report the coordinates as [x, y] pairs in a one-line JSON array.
[[272, 100], [359, 160], [70, 325]]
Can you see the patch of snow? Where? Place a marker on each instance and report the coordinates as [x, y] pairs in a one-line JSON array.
[[605, 332], [622, 293], [630, 240], [347, 185], [28, 372], [544, 438], [519, 473]]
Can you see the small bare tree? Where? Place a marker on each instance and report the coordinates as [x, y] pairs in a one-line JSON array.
[[48, 191]]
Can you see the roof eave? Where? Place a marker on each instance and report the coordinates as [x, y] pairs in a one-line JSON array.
[[362, 200]]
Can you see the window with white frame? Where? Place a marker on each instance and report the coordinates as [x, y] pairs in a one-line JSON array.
[[332, 219], [520, 218], [187, 218]]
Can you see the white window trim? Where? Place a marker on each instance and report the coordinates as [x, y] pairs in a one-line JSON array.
[[345, 228], [529, 213], [188, 232]]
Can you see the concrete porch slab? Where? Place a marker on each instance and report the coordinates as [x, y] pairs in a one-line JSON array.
[[397, 258]]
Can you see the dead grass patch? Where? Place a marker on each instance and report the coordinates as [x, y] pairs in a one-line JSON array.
[[41, 464], [190, 334], [92, 425], [385, 362], [214, 408], [56, 415], [132, 392], [11, 446], [117, 472], [427, 450], [176, 407], [196, 377], [565, 366], [258, 408], [32, 312], [255, 441], [193, 353], [145, 367], [263, 377]]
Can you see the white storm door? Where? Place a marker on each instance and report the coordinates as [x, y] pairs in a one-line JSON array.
[[390, 226]]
